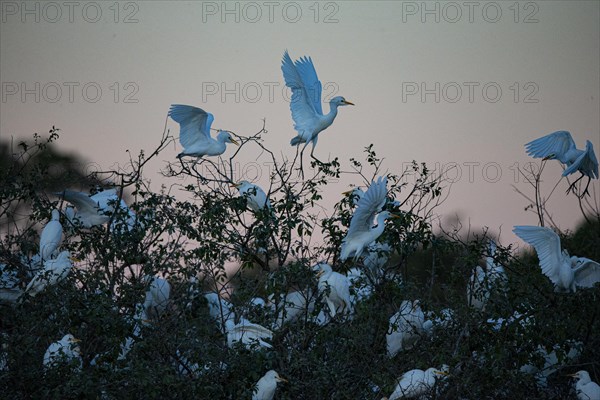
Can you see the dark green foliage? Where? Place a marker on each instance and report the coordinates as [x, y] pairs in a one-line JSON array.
[[182, 353]]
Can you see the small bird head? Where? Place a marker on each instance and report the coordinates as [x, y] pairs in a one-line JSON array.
[[227, 138], [340, 101]]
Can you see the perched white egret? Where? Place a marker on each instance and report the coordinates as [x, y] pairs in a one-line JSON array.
[[194, 133], [51, 236], [219, 309], [65, 350], [379, 254], [256, 198], [248, 333], [92, 210], [266, 386], [561, 146], [405, 327], [564, 271], [157, 296], [552, 362], [54, 271], [417, 382], [291, 306], [360, 286], [361, 233], [584, 386], [338, 298], [307, 113], [484, 282]]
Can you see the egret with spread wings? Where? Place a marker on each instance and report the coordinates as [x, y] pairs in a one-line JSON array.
[[564, 271], [194, 134], [561, 146], [361, 232], [307, 113]]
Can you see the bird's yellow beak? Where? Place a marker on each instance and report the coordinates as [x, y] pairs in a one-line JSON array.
[[349, 103], [234, 142], [441, 373], [320, 273], [572, 375], [235, 185], [394, 216], [347, 193], [74, 259], [75, 340], [280, 379]]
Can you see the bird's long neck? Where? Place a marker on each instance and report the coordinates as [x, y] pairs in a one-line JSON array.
[[380, 224], [333, 110]]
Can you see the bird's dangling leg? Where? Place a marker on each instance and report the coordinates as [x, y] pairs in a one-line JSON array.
[[585, 191], [571, 187], [312, 152]]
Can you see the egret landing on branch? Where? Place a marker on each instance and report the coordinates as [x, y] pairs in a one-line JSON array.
[[307, 113], [194, 134], [564, 271], [560, 146], [361, 232]]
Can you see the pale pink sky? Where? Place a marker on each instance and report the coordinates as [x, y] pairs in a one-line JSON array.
[[225, 57]]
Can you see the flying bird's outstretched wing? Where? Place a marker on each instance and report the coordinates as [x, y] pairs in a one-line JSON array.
[[296, 77], [547, 245], [194, 122], [368, 206], [554, 144]]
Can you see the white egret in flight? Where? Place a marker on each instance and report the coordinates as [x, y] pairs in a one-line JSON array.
[[51, 236], [65, 350], [194, 133], [564, 271], [54, 270], [307, 113], [417, 382], [361, 233], [561, 146], [266, 386], [256, 198], [584, 386], [338, 299]]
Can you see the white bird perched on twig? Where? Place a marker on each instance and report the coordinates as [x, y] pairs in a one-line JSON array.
[[483, 282], [248, 333], [256, 198], [338, 299], [54, 270], [361, 232], [194, 133], [561, 146], [307, 113], [584, 386], [65, 350], [51, 236], [405, 327], [266, 386], [564, 271], [219, 309], [417, 382]]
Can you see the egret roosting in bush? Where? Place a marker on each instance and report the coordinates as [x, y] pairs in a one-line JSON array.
[[405, 327], [194, 133], [256, 198], [65, 350], [266, 386], [51, 236], [338, 298], [53, 271], [584, 386], [361, 232], [564, 271], [484, 281], [157, 296], [417, 382], [96, 209], [561, 146], [248, 333], [307, 113]]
